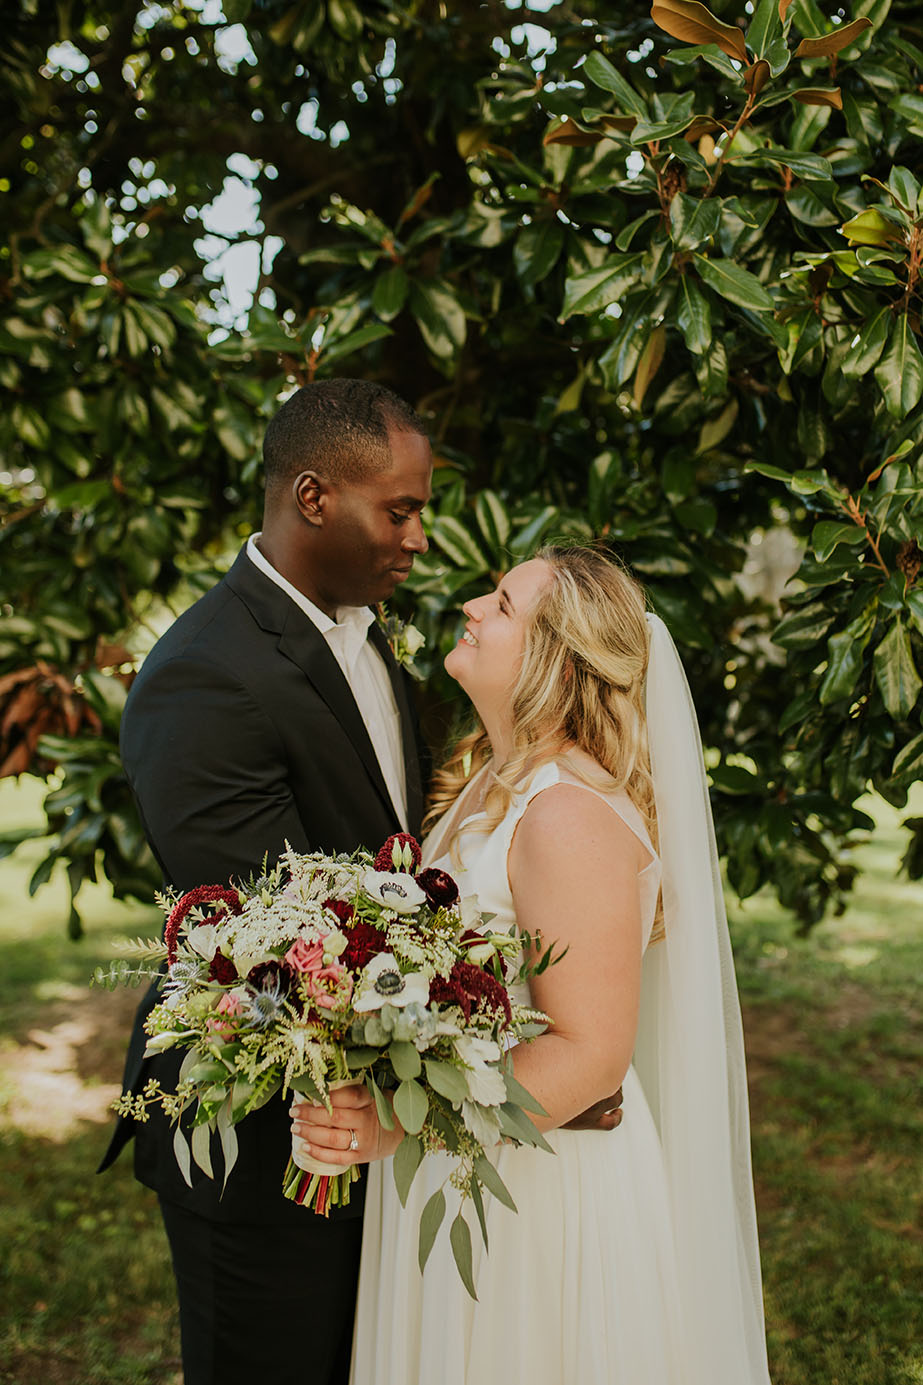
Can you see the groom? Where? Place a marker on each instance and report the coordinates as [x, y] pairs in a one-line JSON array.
[[273, 711]]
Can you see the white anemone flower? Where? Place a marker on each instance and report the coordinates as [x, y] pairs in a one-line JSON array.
[[393, 890], [383, 983], [485, 1082]]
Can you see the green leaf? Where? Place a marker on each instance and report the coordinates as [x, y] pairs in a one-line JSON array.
[[908, 763], [447, 1081], [518, 1093], [405, 1060], [478, 1200], [537, 248], [493, 520], [900, 371], [492, 1181], [457, 543], [896, 673], [845, 652], [734, 283], [693, 220], [439, 316], [914, 603], [804, 627], [592, 289], [410, 1106], [460, 1240], [867, 348], [601, 72], [516, 1124], [407, 1160], [828, 533], [735, 779], [802, 165], [382, 1107], [529, 536], [340, 347], [694, 315], [764, 28], [390, 292], [430, 1222]]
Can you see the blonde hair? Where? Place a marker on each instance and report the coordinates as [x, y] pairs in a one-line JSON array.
[[581, 683]]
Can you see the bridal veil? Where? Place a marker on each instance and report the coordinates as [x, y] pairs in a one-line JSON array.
[[690, 1052]]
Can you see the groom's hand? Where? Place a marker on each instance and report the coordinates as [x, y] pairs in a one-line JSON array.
[[604, 1115]]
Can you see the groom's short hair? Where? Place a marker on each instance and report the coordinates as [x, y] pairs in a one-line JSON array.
[[338, 428]]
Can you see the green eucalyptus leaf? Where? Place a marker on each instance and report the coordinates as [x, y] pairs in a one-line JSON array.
[[407, 1159], [460, 1241], [430, 1222]]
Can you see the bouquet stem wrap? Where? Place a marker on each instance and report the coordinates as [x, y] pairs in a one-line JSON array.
[[312, 1182]]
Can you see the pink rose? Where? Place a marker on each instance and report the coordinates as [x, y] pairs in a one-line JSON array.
[[328, 987], [305, 956], [228, 1005]]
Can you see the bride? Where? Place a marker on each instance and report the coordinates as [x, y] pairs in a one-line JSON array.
[[632, 1258]]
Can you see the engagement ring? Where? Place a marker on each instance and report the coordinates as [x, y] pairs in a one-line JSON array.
[[353, 1140]]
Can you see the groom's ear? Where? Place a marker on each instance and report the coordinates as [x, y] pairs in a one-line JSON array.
[[309, 493]]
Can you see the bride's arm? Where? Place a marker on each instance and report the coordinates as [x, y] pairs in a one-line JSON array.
[[573, 869]]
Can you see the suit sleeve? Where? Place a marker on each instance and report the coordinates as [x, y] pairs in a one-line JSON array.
[[209, 774]]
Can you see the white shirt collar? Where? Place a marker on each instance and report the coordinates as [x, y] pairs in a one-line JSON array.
[[349, 629]]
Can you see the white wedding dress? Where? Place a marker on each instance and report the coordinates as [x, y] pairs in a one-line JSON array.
[[581, 1283]]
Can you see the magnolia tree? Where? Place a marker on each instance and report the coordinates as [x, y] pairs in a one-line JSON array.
[[652, 280]]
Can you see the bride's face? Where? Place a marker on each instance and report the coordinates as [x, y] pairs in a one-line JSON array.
[[488, 656]]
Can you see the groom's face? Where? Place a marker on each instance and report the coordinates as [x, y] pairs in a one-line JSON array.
[[371, 530]]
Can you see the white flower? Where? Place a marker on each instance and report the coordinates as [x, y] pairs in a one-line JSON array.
[[483, 1125], [203, 940], [470, 911], [485, 1082], [382, 983], [476, 1053], [480, 953], [414, 640], [398, 892]]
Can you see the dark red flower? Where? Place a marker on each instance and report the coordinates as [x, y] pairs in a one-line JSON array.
[[286, 976], [365, 942], [385, 858], [202, 894], [439, 887], [343, 911], [222, 970], [471, 989]]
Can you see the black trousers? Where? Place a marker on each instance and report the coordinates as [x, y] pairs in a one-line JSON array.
[[269, 1305]]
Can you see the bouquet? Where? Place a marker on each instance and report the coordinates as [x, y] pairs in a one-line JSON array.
[[344, 968]]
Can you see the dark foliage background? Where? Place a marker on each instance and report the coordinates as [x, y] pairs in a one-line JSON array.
[[653, 279]]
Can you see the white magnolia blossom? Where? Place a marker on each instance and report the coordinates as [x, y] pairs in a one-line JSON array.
[[393, 890], [383, 983]]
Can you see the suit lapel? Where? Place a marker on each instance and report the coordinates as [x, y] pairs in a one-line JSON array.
[[408, 734], [301, 641]]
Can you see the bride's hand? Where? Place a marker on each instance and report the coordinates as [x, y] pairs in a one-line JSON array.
[[328, 1135]]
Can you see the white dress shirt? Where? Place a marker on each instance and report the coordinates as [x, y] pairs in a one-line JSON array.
[[365, 672]]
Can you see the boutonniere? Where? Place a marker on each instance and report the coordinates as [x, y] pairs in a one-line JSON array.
[[404, 639]]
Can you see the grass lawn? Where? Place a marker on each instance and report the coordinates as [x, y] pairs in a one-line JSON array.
[[834, 1035]]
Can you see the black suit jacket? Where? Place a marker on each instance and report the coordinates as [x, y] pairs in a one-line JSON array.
[[241, 733]]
